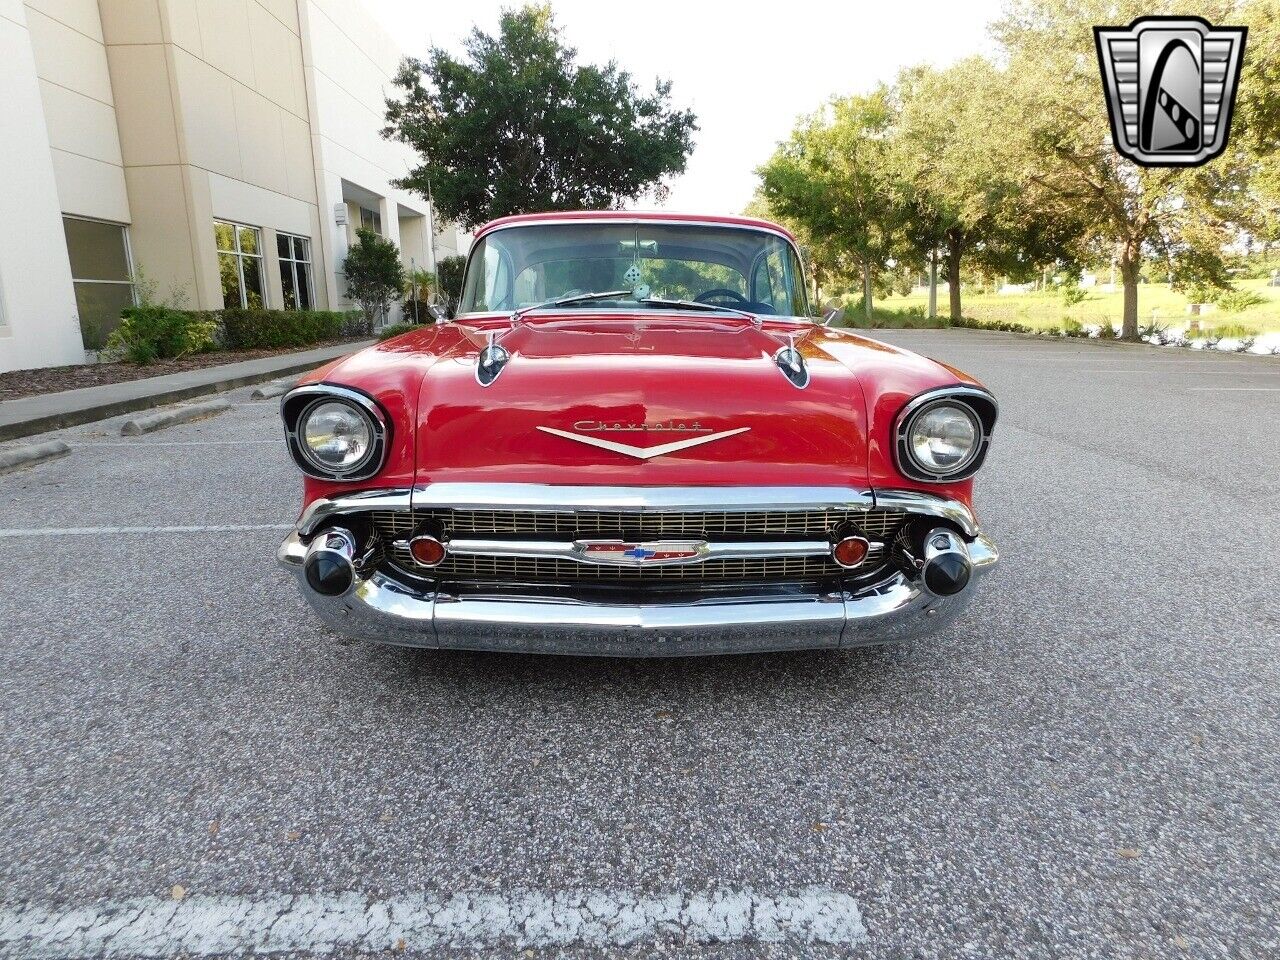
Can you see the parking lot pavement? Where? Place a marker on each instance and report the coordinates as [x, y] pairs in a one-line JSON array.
[[1086, 765]]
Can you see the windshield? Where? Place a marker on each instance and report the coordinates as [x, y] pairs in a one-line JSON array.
[[746, 269]]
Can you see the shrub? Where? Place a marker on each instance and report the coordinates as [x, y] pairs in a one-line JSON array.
[[395, 329], [1072, 328], [1233, 301], [1073, 293], [256, 329], [152, 332], [1152, 331], [1231, 331]]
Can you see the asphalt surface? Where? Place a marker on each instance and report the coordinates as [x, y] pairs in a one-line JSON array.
[[1086, 765]]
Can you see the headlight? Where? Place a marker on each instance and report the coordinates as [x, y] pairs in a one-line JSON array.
[[336, 437], [942, 435], [335, 433], [944, 439]]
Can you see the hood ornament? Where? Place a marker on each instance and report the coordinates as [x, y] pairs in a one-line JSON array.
[[493, 358], [792, 364]]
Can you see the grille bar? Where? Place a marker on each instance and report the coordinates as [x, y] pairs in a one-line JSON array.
[[877, 525]]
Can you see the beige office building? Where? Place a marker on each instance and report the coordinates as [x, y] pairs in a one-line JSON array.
[[225, 150]]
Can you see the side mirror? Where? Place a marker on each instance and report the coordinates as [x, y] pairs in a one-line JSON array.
[[832, 316]]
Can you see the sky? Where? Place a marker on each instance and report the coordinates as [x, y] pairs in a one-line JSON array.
[[747, 69]]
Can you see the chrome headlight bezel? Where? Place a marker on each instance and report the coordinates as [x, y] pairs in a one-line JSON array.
[[300, 402], [972, 402]]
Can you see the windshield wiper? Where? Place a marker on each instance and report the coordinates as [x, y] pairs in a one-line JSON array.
[[572, 298], [698, 305]]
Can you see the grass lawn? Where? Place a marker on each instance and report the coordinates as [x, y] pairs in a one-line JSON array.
[[1043, 310]]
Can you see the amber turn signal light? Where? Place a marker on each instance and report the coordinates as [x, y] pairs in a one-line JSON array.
[[851, 551], [426, 550]]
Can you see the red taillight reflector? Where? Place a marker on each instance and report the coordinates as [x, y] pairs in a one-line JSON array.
[[850, 551], [428, 551]]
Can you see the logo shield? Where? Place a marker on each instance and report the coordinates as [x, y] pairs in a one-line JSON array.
[[1171, 86]]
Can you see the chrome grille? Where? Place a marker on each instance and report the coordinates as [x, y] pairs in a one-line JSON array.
[[527, 569], [399, 525], [876, 523]]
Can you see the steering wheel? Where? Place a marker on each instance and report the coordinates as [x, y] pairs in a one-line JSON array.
[[720, 293]]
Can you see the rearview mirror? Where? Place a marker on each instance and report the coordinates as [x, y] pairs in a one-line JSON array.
[[833, 315]]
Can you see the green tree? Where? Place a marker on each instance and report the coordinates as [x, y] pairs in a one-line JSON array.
[[958, 195], [449, 273], [518, 126], [1257, 122], [1056, 141], [375, 276], [835, 177]]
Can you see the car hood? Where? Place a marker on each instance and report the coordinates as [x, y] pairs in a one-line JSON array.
[[639, 400]]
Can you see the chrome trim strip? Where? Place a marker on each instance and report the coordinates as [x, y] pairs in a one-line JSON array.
[[572, 499], [647, 221], [553, 499], [323, 509], [930, 505], [574, 550]]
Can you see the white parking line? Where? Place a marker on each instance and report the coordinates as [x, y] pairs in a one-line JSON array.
[[137, 444], [313, 924], [101, 531]]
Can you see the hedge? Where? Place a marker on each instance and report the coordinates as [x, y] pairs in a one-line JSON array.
[[271, 329]]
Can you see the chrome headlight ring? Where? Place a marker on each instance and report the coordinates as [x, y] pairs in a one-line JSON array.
[[300, 403], [975, 405]]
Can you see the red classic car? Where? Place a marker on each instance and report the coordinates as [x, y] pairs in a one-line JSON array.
[[634, 441]]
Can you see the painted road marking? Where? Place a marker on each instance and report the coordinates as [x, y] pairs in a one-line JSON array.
[[101, 531], [314, 924], [135, 444]]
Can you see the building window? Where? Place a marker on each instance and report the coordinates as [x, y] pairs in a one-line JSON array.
[[295, 271], [102, 275], [239, 264], [371, 220]]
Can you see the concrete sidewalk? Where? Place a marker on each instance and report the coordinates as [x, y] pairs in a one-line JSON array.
[[31, 415]]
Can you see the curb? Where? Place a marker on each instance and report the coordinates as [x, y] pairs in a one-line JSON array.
[[276, 388], [158, 421], [23, 456], [115, 408]]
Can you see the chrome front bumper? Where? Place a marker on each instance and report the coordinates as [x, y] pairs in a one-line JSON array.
[[382, 609]]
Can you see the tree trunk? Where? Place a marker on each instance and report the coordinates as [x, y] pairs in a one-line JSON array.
[[953, 272], [1130, 263], [867, 291], [933, 284]]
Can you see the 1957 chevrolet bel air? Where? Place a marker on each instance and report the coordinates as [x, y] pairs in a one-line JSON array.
[[634, 441]]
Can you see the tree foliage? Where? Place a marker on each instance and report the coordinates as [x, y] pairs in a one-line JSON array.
[[1007, 165], [375, 277], [835, 177], [517, 126]]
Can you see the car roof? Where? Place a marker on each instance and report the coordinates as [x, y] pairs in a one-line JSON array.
[[633, 216]]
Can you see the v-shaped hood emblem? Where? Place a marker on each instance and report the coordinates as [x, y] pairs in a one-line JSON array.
[[643, 453]]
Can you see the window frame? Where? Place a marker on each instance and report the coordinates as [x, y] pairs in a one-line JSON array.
[[128, 255], [77, 282], [240, 256], [293, 265]]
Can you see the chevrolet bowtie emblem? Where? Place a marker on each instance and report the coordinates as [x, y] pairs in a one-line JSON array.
[[643, 453]]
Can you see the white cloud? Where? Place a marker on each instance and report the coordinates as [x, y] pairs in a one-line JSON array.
[[747, 69]]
